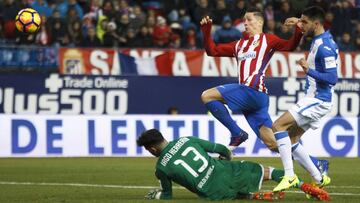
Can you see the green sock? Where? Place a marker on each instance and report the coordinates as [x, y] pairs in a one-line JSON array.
[[277, 175]]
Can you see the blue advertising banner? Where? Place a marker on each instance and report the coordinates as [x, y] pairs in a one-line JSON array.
[[117, 95], [38, 113]]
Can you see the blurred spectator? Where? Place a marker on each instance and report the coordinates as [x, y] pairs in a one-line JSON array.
[[123, 7], [25, 39], [85, 5], [101, 27], [298, 6], [162, 32], [219, 12], [57, 28], [137, 17], [107, 10], [175, 41], [345, 44], [270, 27], [123, 25], [90, 40], [8, 12], [43, 36], [143, 38], [226, 33], [176, 29], [329, 17], [75, 33], [130, 38], [238, 10], [150, 23], [174, 9], [356, 31], [190, 40], [42, 7], [284, 13], [67, 4], [357, 43], [24, 4], [184, 17], [72, 16], [173, 110], [95, 6], [111, 38], [269, 12], [88, 22], [321, 3], [1, 33], [202, 9], [342, 19]]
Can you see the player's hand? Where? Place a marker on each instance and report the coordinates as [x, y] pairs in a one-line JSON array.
[[206, 21], [304, 64], [228, 157], [292, 21], [153, 193]]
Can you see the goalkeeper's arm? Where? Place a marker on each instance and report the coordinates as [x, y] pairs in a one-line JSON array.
[[166, 187], [223, 151]]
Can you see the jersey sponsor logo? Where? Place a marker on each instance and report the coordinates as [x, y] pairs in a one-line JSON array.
[[330, 62], [247, 55], [206, 177]]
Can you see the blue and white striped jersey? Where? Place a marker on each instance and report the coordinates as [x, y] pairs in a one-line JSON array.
[[322, 75]]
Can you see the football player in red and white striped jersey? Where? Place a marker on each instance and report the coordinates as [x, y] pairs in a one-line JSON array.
[[249, 96]]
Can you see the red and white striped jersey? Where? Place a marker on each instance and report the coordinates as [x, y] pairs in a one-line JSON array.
[[252, 54]]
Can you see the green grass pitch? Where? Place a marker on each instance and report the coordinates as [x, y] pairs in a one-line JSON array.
[[128, 180]]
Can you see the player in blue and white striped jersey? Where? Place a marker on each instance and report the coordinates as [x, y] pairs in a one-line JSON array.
[[321, 75]]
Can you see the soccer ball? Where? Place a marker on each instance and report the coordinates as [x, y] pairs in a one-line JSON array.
[[28, 20]]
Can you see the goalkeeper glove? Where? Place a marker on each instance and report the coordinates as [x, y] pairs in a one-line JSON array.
[[153, 194]]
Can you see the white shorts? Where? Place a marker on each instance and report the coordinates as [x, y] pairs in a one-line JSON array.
[[308, 112]]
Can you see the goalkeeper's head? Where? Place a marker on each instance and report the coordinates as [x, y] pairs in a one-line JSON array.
[[153, 141]]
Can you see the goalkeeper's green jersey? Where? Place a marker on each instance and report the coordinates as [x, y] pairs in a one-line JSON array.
[[186, 162]]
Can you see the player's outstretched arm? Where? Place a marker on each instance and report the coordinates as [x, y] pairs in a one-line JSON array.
[[226, 49], [291, 44], [210, 147], [166, 185]]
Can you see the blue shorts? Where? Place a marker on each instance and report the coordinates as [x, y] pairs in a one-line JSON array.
[[254, 105]]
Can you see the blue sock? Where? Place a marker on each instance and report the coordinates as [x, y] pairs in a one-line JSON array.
[[220, 112], [315, 161]]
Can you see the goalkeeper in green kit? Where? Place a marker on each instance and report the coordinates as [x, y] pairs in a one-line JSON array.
[[186, 162]]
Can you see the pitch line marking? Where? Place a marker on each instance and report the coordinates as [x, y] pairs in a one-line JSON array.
[[147, 187]]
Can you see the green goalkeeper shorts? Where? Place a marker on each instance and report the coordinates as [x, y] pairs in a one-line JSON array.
[[247, 177]]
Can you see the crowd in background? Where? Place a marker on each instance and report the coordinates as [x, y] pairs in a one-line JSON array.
[[167, 23]]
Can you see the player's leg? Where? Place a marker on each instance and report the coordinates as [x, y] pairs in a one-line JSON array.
[[254, 174], [307, 113], [295, 134], [311, 164], [280, 127], [261, 123], [214, 101]]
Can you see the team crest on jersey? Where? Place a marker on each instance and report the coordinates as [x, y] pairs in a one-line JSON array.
[[256, 43]]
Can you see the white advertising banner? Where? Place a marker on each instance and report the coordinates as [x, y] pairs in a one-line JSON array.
[[83, 135]]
